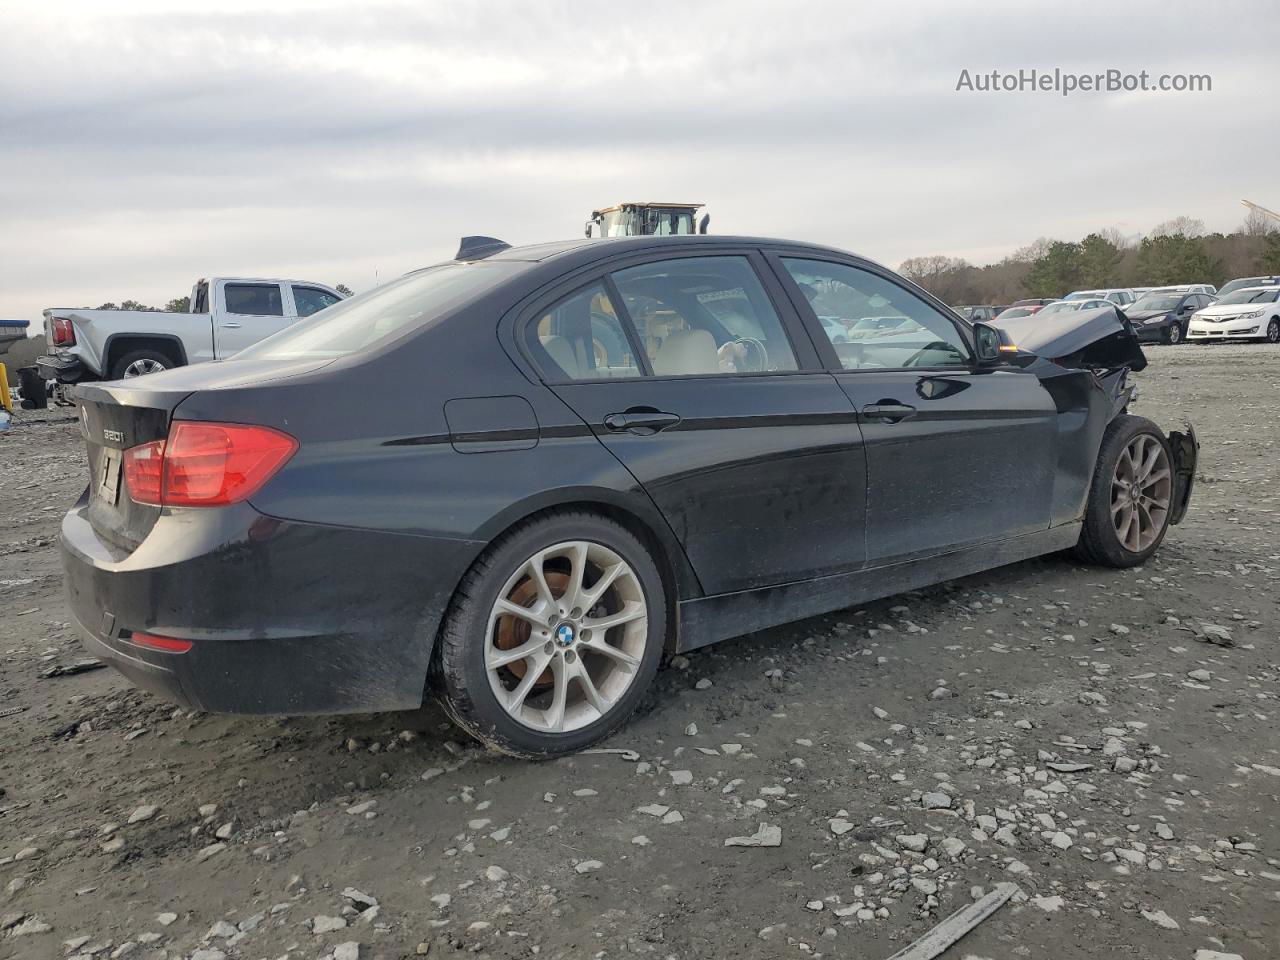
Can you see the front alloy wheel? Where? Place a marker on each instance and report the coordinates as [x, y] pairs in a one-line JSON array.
[[1174, 336], [1127, 513], [1273, 330], [1141, 491], [553, 636]]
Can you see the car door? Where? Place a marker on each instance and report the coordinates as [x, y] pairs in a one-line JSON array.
[[692, 372], [957, 454], [250, 312]]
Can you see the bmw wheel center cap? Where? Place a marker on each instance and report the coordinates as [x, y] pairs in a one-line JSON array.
[[565, 635]]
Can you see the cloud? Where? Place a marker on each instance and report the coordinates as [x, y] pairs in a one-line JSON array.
[[142, 144]]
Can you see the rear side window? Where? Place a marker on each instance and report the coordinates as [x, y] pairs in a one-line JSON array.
[[309, 300], [581, 338], [699, 316], [254, 299]]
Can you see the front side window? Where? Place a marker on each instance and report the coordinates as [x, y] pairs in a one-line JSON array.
[[254, 299], [872, 322], [700, 316], [580, 338], [311, 300]]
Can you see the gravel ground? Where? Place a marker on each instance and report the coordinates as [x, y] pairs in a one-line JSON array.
[[1104, 739]]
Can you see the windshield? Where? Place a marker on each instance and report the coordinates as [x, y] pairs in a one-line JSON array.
[[1061, 306], [1248, 296], [414, 300], [1014, 312], [1157, 301], [1242, 282], [1081, 295]]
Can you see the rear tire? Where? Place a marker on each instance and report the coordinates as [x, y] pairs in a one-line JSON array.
[[137, 363], [592, 636], [1131, 496]]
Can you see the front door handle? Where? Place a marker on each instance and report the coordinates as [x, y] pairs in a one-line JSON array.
[[231, 324], [643, 422], [888, 412]]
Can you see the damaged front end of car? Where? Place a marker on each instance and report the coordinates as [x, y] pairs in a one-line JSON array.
[[1093, 352]]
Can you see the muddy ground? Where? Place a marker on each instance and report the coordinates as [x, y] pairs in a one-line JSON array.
[[1098, 750]]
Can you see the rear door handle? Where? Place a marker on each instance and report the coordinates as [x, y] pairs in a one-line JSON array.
[[888, 412], [643, 422]]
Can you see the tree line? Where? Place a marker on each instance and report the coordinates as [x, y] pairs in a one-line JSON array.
[[176, 305], [1176, 251]]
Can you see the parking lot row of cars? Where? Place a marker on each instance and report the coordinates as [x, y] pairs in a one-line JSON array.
[[1247, 308]]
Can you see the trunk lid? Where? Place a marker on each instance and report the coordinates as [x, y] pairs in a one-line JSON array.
[[115, 416], [110, 427]]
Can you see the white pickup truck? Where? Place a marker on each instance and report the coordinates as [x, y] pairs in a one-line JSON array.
[[226, 315]]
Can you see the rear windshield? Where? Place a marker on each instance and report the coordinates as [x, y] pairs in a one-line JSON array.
[[415, 300]]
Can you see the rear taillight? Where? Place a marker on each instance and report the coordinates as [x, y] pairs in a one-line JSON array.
[[205, 464], [64, 334]]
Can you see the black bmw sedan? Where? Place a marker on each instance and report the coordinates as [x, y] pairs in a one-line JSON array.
[[521, 477]]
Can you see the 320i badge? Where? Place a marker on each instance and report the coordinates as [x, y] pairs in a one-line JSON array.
[[581, 456]]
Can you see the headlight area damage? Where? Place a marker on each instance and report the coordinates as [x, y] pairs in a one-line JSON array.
[[1087, 356]]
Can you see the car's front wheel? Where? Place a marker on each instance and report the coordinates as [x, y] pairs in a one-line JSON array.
[[1131, 495], [553, 636], [1273, 330], [1173, 335]]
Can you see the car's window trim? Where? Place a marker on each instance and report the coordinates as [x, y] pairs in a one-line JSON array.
[[826, 349], [806, 353]]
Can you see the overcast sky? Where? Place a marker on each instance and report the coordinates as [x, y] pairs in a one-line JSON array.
[[144, 144]]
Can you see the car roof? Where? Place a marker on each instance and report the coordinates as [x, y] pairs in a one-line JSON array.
[[1268, 288], [601, 247]]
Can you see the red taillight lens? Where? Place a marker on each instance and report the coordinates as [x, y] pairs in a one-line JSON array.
[[206, 464], [156, 642], [143, 471], [64, 334]]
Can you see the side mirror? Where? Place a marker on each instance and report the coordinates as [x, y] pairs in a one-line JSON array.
[[986, 342]]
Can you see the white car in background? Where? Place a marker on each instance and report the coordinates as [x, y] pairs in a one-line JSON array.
[[1249, 313], [1206, 288], [1067, 306], [1118, 296]]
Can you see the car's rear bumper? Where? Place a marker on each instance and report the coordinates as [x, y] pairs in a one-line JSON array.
[[64, 369], [282, 617]]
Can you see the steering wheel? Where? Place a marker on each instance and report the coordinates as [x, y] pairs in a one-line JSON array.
[[760, 361]]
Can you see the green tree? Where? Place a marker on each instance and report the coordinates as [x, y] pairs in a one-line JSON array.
[[343, 289], [179, 304], [1099, 262], [1271, 253], [1056, 271], [1173, 258]]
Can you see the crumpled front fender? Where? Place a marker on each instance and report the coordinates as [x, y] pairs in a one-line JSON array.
[[1186, 453]]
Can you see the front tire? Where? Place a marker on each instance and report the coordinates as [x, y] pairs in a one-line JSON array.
[[1273, 330], [553, 636], [1131, 496], [1173, 336]]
